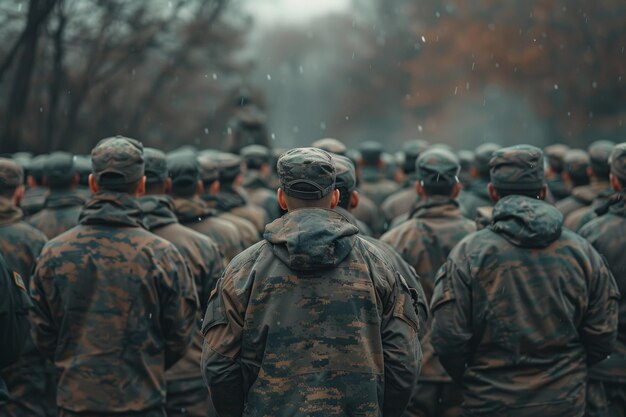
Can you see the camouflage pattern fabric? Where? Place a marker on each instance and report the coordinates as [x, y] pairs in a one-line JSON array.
[[330, 328], [260, 194], [185, 388], [582, 196], [473, 197], [368, 213], [375, 186], [520, 309], [605, 399], [59, 214], [578, 218], [195, 214], [399, 203], [34, 200], [228, 200], [114, 306]]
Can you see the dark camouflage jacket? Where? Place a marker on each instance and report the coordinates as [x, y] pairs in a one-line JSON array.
[[399, 203], [580, 197], [311, 322], [557, 188], [473, 197], [59, 213], [195, 214], [578, 218], [606, 234], [368, 213], [114, 306], [520, 310], [234, 202], [34, 200], [260, 194]]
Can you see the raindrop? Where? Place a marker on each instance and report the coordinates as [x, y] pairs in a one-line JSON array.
[[347, 117], [473, 65], [19, 7], [214, 76], [150, 315], [420, 128], [323, 125], [556, 86], [273, 136], [40, 109], [594, 84], [206, 131], [269, 77], [467, 85], [301, 69], [455, 90], [423, 39]]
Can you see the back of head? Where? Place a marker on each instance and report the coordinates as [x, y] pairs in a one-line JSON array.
[[411, 150], [371, 153], [466, 160], [345, 179], [35, 168], [307, 177], [576, 164], [555, 154], [184, 171], [618, 163], [330, 145], [518, 170], [482, 156], [228, 166], [599, 153], [209, 172], [117, 164], [82, 164], [256, 156], [437, 170], [11, 177], [156, 170], [59, 170]]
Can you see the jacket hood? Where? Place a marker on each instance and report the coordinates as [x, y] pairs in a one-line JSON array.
[[615, 204], [9, 213], [308, 239], [112, 209], [158, 211], [224, 200], [63, 199], [527, 222], [191, 209], [436, 207], [588, 193], [480, 188], [254, 181]]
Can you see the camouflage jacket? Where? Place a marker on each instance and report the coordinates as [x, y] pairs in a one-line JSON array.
[[473, 197], [195, 214], [368, 213], [606, 234], [247, 229], [59, 213], [34, 200], [399, 203], [114, 306], [234, 202], [311, 321], [580, 197], [578, 218], [520, 309], [378, 189], [260, 194], [557, 188]]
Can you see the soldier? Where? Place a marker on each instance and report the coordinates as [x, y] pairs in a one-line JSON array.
[[256, 180], [403, 200], [476, 195], [186, 393], [373, 181], [14, 327], [36, 193], [330, 328], [82, 163], [522, 308], [435, 226], [606, 390], [248, 125], [555, 154], [32, 391], [466, 159], [575, 176], [599, 188], [114, 305], [331, 145], [192, 211], [63, 204]]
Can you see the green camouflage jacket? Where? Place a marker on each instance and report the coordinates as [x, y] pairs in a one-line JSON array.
[[59, 214]]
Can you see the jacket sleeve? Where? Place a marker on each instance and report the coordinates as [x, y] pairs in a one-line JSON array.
[[221, 367], [452, 325], [44, 329], [14, 304], [598, 331], [179, 303], [401, 348]]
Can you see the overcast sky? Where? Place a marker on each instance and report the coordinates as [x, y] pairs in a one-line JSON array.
[[268, 12]]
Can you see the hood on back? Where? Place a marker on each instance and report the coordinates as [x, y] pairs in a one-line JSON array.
[[112, 209], [309, 239], [527, 222], [64, 199], [9, 212], [158, 211]]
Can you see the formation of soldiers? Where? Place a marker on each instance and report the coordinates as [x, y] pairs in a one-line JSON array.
[[318, 281]]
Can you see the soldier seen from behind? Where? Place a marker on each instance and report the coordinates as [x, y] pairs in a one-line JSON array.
[[256, 179], [311, 320], [606, 389], [523, 308], [114, 305], [555, 156], [63, 203], [35, 193], [475, 195], [576, 178]]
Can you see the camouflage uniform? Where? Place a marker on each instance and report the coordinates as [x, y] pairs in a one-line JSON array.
[[257, 188], [31, 389], [63, 205], [582, 194], [476, 195], [436, 225], [522, 308], [192, 211], [330, 329], [555, 155], [35, 197], [114, 305], [607, 386], [373, 182]]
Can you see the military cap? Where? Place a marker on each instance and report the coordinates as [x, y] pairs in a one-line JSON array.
[[117, 161], [555, 154], [11, 174], [482, 157], [371, 152], [306, 173], [35, 168], [576, 162], [330, 145], [412, 150], [599, 153], [618, 161], [517, 168], [228, 165], [59, 169], [437, 167], [256, 155], [156, 166], [208, 168], [184, 170], [466, 158], [345, 173], [82, 165]]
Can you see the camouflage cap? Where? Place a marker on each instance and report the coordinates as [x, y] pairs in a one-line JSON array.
[[156, 166], [59, 169], [599, 153], [184, 170], [555, 154], [371, 152], [482, 157], [517, 168], [576, 162], [330, 145], [412, 150], [11, 174], [82, 164], [208, 168], [117, 161], [306, 173], [256, 155], [466, 159], [438, 167], [345, 180], [228, 165], [618, 161], [35, 168]]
